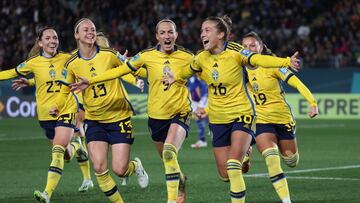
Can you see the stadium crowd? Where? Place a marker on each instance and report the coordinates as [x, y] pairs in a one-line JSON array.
[[325, 32]]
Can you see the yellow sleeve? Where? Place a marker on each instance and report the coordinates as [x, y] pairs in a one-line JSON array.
[[69, 78], [141, 72], [129, 78], [190, 71], [111, 74], [268, 61], [304, 91], [31, 82], [8, 74]]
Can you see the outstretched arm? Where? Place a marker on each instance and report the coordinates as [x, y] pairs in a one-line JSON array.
[[305, 92], [274, 62], [8, 74]]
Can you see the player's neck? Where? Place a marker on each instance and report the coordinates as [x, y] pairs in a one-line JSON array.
[[87, 51], [218, 48]]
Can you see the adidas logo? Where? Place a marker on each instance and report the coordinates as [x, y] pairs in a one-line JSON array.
[[51, 66], [215, 65], [254, 79], [92, 69], [167, 62]]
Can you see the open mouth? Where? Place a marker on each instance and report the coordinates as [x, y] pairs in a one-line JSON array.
[[205, 42], [167, 42]]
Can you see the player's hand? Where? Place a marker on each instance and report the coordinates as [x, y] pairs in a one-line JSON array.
[[200, 113], [19, 84], [79, 86], [140, 84], [168, 79], [126, 55], [295, 62], [314, 111], [54, 112]]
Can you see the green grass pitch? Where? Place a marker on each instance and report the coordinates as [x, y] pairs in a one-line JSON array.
[[329, 169]]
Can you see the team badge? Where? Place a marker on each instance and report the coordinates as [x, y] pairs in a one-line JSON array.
[[245, 52], [255, 87], [283, 70], [52, 73], [166, 70], [215, 75], [136, 57], [21, 65], [64, 73], [121, 58]]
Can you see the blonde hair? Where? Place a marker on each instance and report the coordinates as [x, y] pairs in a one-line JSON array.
[[102, 40], [165, 20], [77, 25], [35, 50]]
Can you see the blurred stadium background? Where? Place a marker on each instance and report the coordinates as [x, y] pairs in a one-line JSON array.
[[326, 33]]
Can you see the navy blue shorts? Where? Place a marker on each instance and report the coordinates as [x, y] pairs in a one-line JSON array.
[[112, 133], [282, 131], [221, 133], [159, 128], [65, 120]]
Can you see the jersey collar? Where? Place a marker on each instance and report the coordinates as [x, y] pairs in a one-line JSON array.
[[158, 48], [79, 54], [42, 54]]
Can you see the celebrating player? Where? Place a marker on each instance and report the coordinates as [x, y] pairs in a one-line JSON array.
[[275, 124]]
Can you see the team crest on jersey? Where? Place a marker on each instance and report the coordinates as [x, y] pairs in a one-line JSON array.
[[283, 70], [255, 87], [245, 52], [52, 73], [21, 65], [136, 57], [215, 75], [122, 58], [166, 70], [64, 73]]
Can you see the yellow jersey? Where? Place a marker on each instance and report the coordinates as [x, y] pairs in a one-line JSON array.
[[163, 102], [225, 75], [266, 88], [47, 75], [104, 102]]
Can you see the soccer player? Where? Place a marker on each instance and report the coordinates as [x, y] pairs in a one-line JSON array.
[[275, 124], [46, 63], [199, 96], [108, 110], [230, 108], [168, 108]]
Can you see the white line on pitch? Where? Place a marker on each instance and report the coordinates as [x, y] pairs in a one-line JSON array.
[[310, 178], [308, 170]]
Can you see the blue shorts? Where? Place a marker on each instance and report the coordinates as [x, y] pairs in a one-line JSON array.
[[65, 120], [112, 133], [282, 131], [159, 128], [221, 133]]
